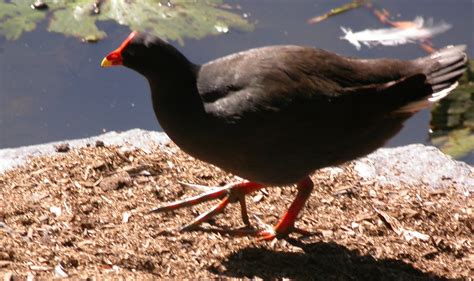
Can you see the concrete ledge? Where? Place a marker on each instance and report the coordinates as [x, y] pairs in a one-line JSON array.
[[138, 138], [415, 164]]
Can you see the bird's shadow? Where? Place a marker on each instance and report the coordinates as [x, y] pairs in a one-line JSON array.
[[318, 261]]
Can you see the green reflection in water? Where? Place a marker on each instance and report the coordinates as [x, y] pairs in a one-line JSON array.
[[452, 119], [173, 20]]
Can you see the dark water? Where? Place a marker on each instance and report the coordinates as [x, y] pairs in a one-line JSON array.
[[52, 87]]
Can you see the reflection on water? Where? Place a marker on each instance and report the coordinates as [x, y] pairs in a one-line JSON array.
[[52, 87], [452, 120], [174, 20]]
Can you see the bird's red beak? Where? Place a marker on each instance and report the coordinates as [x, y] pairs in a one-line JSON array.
[[115, 57]]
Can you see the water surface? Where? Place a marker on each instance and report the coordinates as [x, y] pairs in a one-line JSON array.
[[52, 87]]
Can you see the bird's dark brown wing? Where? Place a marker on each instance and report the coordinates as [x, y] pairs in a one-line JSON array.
[[272, 78]]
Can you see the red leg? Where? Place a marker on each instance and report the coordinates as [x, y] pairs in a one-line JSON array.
[[287, 222]]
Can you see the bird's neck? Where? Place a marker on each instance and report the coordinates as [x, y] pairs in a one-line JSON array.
[[176, 90], [176, 102]]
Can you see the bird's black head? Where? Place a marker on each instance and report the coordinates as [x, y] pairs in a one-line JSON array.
[[148, 55]]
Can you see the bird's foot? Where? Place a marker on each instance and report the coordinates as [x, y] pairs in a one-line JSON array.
[[272, 233], [282, 229], [286, 224], [236, 192], [228, 194]]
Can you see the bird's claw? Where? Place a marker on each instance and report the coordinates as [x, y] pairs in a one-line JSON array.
[[273, 232], [282, 229]]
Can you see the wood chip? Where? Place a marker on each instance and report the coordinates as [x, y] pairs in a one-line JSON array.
[[100, 232]]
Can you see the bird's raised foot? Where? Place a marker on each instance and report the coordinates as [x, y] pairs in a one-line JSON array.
[[228, 194]]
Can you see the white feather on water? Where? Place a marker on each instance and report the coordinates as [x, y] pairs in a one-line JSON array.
[[419, 31]]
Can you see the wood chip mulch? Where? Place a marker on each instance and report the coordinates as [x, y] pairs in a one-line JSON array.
[[84, 214]]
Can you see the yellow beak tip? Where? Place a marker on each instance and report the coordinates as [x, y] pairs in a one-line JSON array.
[[106, 63]]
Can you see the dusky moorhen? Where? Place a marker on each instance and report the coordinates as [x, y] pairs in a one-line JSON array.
[[273, 115]]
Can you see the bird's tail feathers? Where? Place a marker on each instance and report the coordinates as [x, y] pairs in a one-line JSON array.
[[442, 69]]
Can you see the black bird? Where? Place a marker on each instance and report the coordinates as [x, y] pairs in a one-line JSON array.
[[273, 115]]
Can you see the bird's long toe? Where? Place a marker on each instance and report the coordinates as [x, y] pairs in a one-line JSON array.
[[213, 193], [281, 230], [234, 192], [219, 208], [275, 232]]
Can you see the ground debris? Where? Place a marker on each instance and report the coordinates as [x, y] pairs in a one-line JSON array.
[[84, 214], [62, 147]]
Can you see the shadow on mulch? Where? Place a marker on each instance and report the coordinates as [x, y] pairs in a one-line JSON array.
[[320, 261]]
